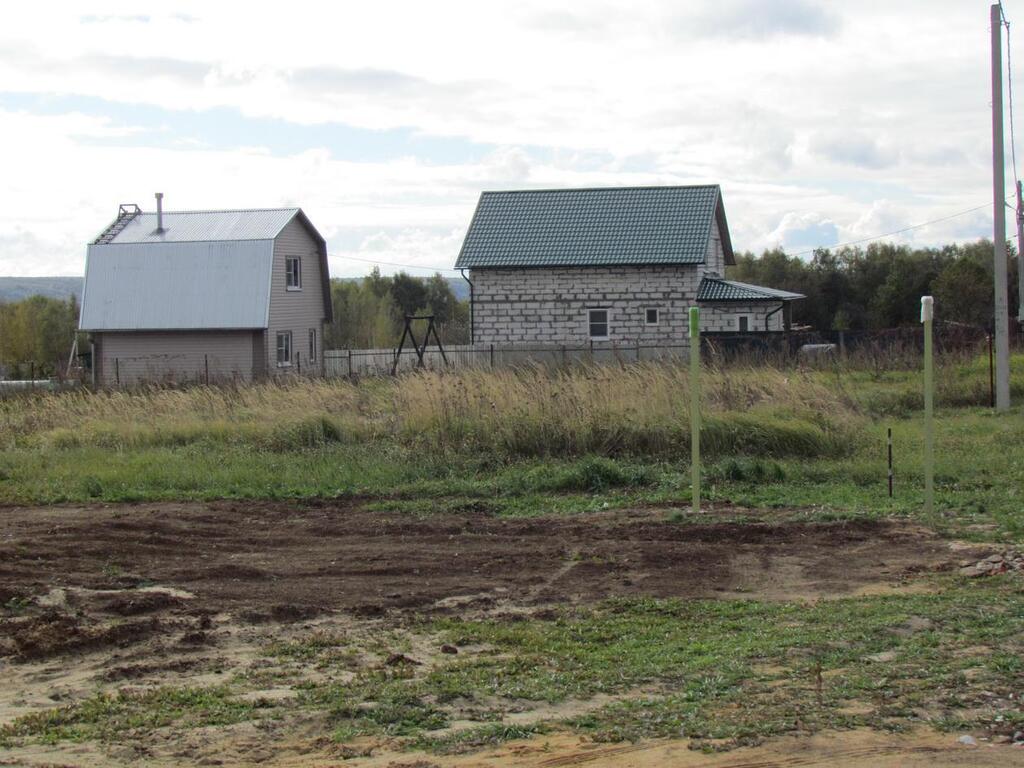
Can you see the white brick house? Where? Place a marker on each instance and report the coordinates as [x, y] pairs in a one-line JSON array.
[[618, 265]]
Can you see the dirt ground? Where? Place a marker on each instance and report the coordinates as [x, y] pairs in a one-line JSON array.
[[185, 593]]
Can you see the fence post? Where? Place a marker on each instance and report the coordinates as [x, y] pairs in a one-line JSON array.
[[32, 374], [298, 363], [350, 362], [117, 371], [638, 349], [889, 435], [927, 312], [695, 406], [206, 368], [492, 354]]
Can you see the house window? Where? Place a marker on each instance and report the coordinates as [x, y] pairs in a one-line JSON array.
[[652, 316], [293, 273], [312, 345], [284, 348], [598, 321], [744, 323]]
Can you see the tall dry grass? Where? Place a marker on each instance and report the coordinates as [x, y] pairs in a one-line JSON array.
[[634, 409], [640, 408]]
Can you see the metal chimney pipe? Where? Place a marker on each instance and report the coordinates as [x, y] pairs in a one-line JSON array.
[[159, 211]]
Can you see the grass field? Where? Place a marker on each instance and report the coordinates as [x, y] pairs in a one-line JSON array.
[[761, 642]]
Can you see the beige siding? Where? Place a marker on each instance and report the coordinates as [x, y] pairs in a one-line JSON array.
[[296, 311], [130, 358]]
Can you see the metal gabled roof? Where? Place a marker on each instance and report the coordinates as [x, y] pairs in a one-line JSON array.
[[202, 226], [177, 286], [206, 270], [718, 289], [594, 227]]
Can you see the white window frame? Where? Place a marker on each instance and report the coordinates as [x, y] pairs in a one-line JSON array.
[[607, 323], [312, 345], [657, 316], [297, 261], [285, 336]]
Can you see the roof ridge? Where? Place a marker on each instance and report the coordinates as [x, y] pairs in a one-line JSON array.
[[597, 189], [228, 210]]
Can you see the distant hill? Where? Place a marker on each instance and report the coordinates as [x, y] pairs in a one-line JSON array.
[[18, 288]]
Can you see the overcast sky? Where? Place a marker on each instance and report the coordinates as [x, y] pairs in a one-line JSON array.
[[824, 122]]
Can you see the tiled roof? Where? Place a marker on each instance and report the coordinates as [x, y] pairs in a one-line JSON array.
[[593, 227], [717, 289]]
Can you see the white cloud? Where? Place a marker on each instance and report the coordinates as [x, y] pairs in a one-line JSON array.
[[806, 112]]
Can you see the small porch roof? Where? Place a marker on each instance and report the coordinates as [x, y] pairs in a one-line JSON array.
[[714, 289]]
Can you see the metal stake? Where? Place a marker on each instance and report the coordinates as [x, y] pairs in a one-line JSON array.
[[695, 406], [927, 313]]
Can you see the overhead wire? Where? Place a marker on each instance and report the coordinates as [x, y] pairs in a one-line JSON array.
[[1009, 83], [800, 253]]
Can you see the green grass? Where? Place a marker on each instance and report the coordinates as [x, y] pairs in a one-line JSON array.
[[738, 671], [979, 477], [106, 716], [700, 662]]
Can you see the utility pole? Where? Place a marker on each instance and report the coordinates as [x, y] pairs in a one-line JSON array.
[[999, 214]]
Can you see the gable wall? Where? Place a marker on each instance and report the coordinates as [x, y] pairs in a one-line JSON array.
[[295, 311], [715, 258]]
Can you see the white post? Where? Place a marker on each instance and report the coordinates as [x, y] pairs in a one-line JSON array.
[[1002, 315], [927, 314]]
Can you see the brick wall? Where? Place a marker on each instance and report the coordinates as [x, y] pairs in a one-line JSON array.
[[550, 305]]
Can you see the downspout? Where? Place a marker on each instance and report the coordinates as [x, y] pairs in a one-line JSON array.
[[769, 315], [472, 334]]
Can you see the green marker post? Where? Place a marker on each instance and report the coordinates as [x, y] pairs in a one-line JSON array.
[[695, 406], [927, 313]]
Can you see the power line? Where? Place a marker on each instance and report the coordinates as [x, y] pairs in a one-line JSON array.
[[801, 253], [393, 264], [898, 231], [1009, 80]]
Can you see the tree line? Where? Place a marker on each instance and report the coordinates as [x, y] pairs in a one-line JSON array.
[[370, 313], [881, 286], [36, 334]]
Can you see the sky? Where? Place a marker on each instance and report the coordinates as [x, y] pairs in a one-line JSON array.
[[823, 121]]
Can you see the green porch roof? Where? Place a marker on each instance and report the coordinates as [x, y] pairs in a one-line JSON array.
[[594, 227], [717, 289]]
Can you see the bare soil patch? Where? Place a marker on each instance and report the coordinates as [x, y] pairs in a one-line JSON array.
[[280, 562], [189, 594]]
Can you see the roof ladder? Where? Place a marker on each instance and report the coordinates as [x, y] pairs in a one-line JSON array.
[[125, 213]]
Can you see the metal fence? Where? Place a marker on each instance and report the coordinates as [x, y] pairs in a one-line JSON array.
[[896, 348]]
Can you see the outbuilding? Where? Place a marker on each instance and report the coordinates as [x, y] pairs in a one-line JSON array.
[[214, 295], [620, 265]]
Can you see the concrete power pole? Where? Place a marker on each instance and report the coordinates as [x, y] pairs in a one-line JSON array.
[[999, 214]]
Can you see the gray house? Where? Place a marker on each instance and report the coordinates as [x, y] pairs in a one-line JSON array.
[[205, 295], [619, 265]]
